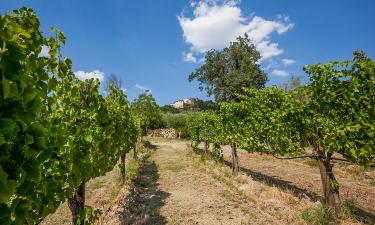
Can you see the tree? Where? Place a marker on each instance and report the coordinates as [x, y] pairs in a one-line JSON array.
[[226, 72], [201, 106], [294, 82], [147, 111], [197, 106], [113, 79], [170, 109]]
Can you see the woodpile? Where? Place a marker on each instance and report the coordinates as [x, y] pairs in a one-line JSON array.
[[165, 133]]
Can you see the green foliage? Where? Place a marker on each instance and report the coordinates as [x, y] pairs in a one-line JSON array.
[[206, 126], [170, 109], [343, 106], [335, 110], [267, 120], [26, 145], [226, 72], [124, 130], [132, 169], [198, 106], [55, 131], [88, 215], [147, 112], [293, 83]]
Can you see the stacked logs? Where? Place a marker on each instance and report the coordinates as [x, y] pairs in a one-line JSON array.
[[165, 133]]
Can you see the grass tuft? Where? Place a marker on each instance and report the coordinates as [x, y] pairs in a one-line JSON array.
[[132, 170], [321, 215]]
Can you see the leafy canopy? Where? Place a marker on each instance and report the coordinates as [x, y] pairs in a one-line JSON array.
[[55, 130], [147, 111], [342, 99], [226, 72]]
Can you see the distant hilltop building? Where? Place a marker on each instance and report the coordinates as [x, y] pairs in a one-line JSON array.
[[180, 103]]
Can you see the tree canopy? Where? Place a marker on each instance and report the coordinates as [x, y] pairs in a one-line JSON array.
[[226, 72], [147, 111]]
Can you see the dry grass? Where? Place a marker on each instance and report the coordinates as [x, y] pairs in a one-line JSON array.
[[274, 205]]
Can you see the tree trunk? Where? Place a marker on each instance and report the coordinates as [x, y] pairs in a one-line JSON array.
[[123, 174], [135, 155], [218, 151], [221, 153], [329, 182], [77, 203], [206, 146], [235, 164]]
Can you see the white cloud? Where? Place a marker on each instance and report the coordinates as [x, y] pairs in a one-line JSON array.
[[189, 57], [287, 62], [142, 88], [214, 25], [44, 52], [96, 74], [279, 73]]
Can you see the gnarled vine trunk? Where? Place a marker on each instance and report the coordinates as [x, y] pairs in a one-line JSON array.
[[235, 164], [329, 182], [135, 148], [206, 146], [221, 153], [123, 174], [77, 203], [218, 151]]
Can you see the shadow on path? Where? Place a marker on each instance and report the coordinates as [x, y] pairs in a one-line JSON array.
[[270, 180], [279, 183], [360, 214], [149, 145], [145, 199]]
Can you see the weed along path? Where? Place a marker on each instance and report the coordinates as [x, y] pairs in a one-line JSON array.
[[177, 186]]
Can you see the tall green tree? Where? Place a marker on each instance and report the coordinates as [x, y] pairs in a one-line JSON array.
[[225, 72], [147, 111]]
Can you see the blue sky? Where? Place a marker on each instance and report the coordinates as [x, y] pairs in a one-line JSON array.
[[157, 44]]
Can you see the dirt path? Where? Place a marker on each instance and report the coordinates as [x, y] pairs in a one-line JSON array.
[[177, 187]]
